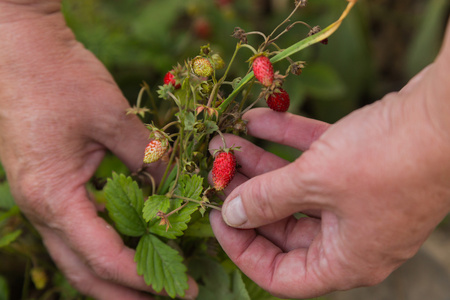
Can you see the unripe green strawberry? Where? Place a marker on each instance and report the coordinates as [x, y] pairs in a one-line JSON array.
[[155, 150], [224, 169], [202, 66], [263, 70], [218, 62], [279, 100]]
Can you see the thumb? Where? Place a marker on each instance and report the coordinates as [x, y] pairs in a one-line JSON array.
[[267, 198]]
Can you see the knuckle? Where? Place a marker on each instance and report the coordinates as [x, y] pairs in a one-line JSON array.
[[261, 202], [81, 283], [102, 267]]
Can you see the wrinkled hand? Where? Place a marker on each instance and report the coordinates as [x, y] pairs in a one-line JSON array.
[[375, 185], [60, 110]]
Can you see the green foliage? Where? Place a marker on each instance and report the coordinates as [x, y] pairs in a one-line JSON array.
[[4, 290], [125, 203], [216, 283], [9, 238], [155, 204], [428, 39], [188, 187], [6, 199], [161, 266]]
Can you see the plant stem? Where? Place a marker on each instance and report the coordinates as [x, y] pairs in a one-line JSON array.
[[290, 51], [241, 105], [281, 24], [199, 202], [169, 165], [176, 210]]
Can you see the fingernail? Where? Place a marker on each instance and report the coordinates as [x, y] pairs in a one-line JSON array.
[[234, 213]]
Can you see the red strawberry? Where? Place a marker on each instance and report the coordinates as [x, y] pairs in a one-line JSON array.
[[202, 28], [224, 168], [155, 150], [279, 100], [170, 79], [263, 69]]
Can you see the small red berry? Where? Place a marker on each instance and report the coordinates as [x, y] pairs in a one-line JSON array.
[[224, 169], [202, 28], [155, 150], [279, 100], [170, 79], [224, 3], [263, 69]]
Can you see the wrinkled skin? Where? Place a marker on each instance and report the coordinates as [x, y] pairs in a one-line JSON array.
[[60, 110], [376, 184]]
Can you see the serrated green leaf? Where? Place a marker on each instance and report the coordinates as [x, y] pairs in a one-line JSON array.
[[239, 289], [178, 222], [125, 203], [211, 127], [190, 186], [189, 121], [155, 204], [161, 266], [9, 238]]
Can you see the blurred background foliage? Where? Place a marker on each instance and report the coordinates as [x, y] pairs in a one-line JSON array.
[[378, 48]]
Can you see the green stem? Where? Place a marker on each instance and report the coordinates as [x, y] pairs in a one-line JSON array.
[[238, 46], [169, 165], [241, 106], [249, 47], [297, 47], [199, 202], [176, 210], [168, 125]]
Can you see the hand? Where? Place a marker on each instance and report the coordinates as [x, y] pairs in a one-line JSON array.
[[375, 185], [60, 110]]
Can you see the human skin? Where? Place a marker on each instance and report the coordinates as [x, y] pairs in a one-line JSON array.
[[60, 111], [376, 184]]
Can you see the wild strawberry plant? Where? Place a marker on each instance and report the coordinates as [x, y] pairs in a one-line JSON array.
[[167, 217]]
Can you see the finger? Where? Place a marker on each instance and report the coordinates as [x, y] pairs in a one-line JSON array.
[[101, 247], [81, 277], [252, 159], [284, 128], [291, 233], [289, 275], [288, 233], [124, 134], [268, 198]]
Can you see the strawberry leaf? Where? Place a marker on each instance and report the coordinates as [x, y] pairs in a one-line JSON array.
[[217, 283], [211, 127], [177, 222], [155, 204], [189, 188], [161, 266], [124, 204]]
